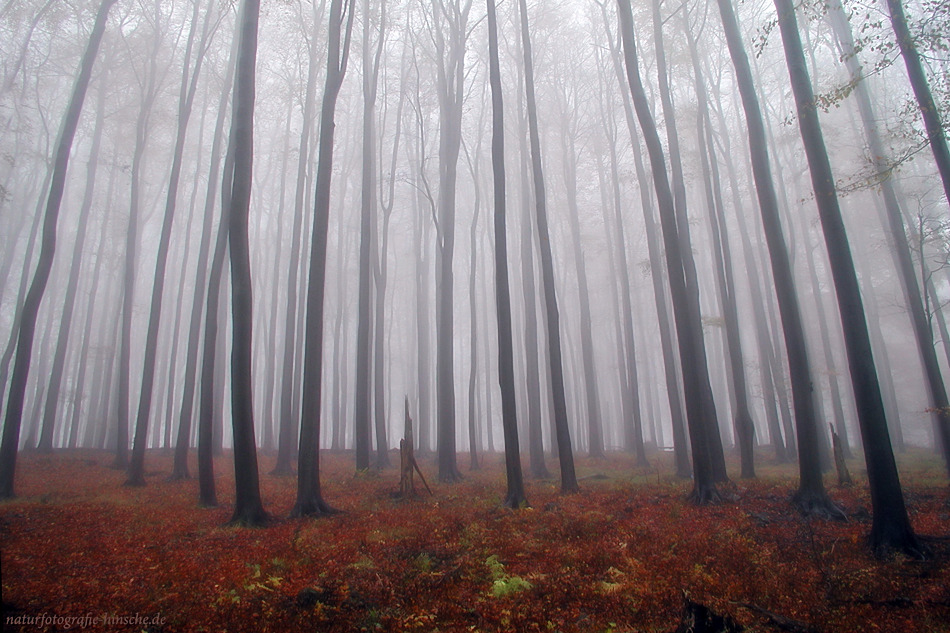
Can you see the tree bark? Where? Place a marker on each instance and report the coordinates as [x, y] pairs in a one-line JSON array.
[[811, 496], [309, 497], [551, 314], [685, 311], [34, 297], [890, 527]]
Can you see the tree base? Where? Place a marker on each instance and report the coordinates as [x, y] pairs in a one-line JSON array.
[[250, 517], [282, 471], [541, 473], [135, 481], [818, 505], [706, 495], [570, 488], [452, 477], [516, 501], [314, 509], [897, 538]]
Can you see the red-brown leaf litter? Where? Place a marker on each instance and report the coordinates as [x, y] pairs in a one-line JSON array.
[[82, 552]]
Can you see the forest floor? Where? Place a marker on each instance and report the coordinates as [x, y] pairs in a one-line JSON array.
[[81, 551]]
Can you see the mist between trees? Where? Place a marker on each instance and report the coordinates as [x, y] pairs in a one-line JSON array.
[[290, 226]]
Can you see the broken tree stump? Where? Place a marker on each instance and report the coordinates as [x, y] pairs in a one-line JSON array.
[[407, 462]]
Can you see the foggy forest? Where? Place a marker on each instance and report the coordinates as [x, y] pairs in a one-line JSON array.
[[448, 315]]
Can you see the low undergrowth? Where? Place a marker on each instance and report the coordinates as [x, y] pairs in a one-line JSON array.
[[619, 556]]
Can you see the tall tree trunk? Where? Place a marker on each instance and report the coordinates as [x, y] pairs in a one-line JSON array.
[[893, 222], [368, 211], [473, 309], [685, 311], [929, 111], [890, 527], [248, 509], [762, 338], [150, 92], [811, 496], [667, 342], [450, 83], [381, 277], [630, 380], [34, 297], [309, 497], [189, 84], [515, 497], [725, 278], [551, 314], [202, 283], [291, 360], [535, 410], [709, 423], [69, 301], [595, 429]]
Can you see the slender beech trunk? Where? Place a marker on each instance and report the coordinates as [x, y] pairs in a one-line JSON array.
[[34, 297], [291, 359], [725, 278], [72, 285], [202, 284], [309, 497], [535, 414], [248, 509], [515, 497], [685, 311], [890, 528], [811, 496], [667, 340], [450, 33], [709, 424], [929, 111], [595, 429], [893, 222], [381, 277], [368, 210], [189, 84], [630, 398], [551, 314]]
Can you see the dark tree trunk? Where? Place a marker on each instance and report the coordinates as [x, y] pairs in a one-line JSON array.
[[291, 358], [473, 309], [202, 283], [368, 209], [709, 423], [551, 314], [450, 83], [381, 277], [69, 301], [34, 297], [189, 84], [248, 509], [685, 312], [890, 527], [725, 279], [762, 337], [535, 414], [929, 111], [515, 498], [667, 342], [595, 430], [893, 222], [811, 496], [309, 497], [632, 416]]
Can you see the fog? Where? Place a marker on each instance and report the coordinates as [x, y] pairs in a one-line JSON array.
[[410, 228]]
